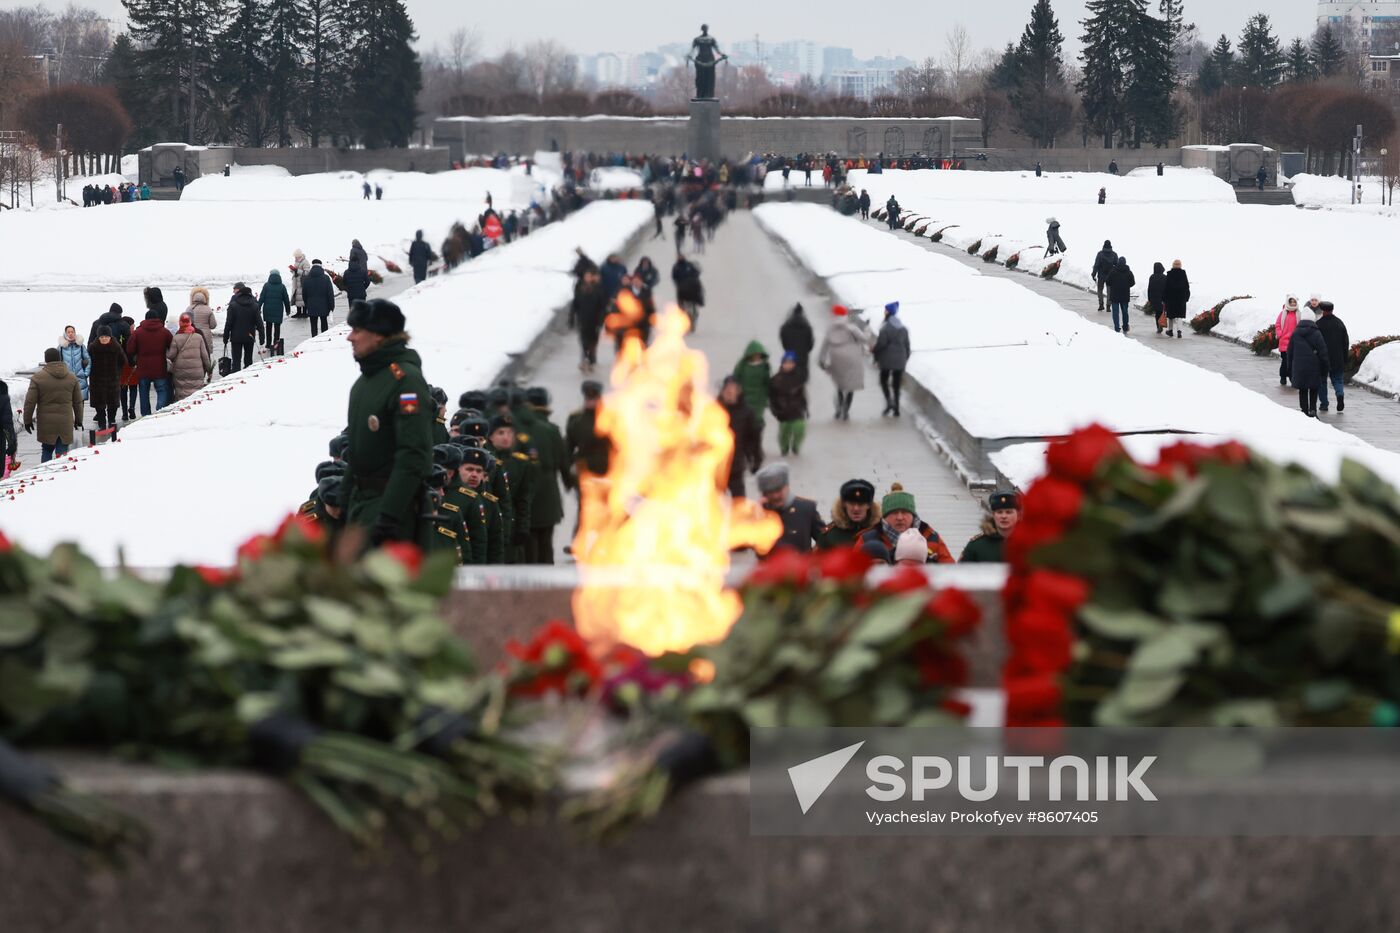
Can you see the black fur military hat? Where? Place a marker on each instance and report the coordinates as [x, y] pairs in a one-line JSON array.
[[859, 491], [475, 426], [473, 398], [377, 316], [475, 456], [439, 395], [329, 468], [331, 491], [498, 396], [517, 397], [537, 396], [338, 445], [502, 421], [460, 415], [448, 455], [437, 476], [592, 389], [998, 501]]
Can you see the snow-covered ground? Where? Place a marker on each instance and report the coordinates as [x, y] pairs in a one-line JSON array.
[[1008, 363], [233, 459], [1227, 249], [615, 179], [1334, 193]]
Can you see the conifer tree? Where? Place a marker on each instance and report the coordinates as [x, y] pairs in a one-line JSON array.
[[1300, 65], [1129, 74], [1218, 70], [386, 77], [1261, 60], [284, 62], [1329, 55], [326, 69], [242, 75], [1037, 98]]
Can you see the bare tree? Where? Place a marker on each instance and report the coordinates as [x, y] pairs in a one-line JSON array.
[[549, 68], [957, 57], [463, 46], [1389, 165], [923, 80]]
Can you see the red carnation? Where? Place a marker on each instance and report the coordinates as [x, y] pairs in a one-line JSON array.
[[1034, 699], [782, 567], [309, 530], [214, 576], [959, 708], [1055, 590], [255, 547], [906, 579], [1027, 537], [407, 554], [1053, 501], [1041, 639], [956, 610], [5, 545], [843, 564], [1077, 457]]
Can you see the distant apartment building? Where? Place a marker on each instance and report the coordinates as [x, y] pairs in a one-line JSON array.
[[1383, 73], [863, 83], [1363, 24], [837, 59]]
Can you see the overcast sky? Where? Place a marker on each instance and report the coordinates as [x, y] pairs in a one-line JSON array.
[[913, 28]]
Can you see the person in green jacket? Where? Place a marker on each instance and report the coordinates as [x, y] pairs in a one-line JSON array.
[[275, 304], [987, 547], [460, 501], [753, 372], [475, 492], [553, 461], [520, 473], [475, 432], [389, 423], [440, 432], [442, 528]]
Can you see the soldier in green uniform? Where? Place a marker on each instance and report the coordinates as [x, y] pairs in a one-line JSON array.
[[986, 548], [338, 445], [462, 501], [390, 426], [440, 530], [521, 475], [440, 435], [329, 511], [855, 511], [553, 460], [475, 463], [475, 431], [474, 400], [324, 469]]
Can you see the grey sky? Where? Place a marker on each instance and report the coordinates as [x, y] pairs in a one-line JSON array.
[[893, 27]]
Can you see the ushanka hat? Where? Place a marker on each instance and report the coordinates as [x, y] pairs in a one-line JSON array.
[[859, 491], [998, 501], [377, 316], [475, 456]]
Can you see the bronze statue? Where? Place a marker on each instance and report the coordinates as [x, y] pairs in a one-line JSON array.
[[704, 51]]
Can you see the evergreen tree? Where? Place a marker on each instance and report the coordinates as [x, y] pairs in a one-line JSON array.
[[157, 31], [386, 77], [1006, 73], [242, 76], [1179, 32], [1037, 97], [1218, 70], [1261, 59], [1129, 74], [1328, 53], [1300, 66], [283, 60], [327, 69], [122, 72]]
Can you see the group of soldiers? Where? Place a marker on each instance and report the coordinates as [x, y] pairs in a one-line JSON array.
[[484, 483]]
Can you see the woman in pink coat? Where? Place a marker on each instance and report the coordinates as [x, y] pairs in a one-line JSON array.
[[1285, 325]]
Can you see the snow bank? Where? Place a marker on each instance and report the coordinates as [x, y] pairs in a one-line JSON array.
[[215, 235], [615, 179], [1227, 249], [233, 459], [1008, 363]]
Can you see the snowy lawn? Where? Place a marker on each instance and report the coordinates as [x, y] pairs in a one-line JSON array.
[[1007, 363], [236, 457], [226, 229], [1227, 249]]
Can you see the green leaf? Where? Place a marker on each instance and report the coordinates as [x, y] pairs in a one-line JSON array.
[[255, 707], [329, 615], [892, 702], [18, 626], [421, 637], [804, 711], [889, 619], [762, 712], [1335, 632], [1260, 714], [1326, 696], [1123, 625], [797, 657], [375, 679], [849, 664], [311, 654], [1145, 693], [1285, 596], [1165, 653]]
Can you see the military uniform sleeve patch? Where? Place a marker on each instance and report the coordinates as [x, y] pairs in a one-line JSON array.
[[408, 403]]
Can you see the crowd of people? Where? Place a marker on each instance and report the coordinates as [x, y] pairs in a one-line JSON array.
[[124, 193], [1313, 345]]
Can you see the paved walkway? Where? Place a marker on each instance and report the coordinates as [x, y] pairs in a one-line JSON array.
[[750, 286], [1370, 417], [293, 333]]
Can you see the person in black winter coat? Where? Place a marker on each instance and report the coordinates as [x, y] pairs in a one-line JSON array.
[[1103, 265], [796, 337], [112, 318], [9, 441], [647, 272], [748, 439], [588, 310], [1176, 291], [419, 255], [355, 281], [242, 324], [358, 254], [1120, 293], [1155, 286], [864, 204], [318, 295], [1338, 344], [1307, 356]]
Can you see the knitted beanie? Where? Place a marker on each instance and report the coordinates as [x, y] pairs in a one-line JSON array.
[[911, 546], [898, 500]]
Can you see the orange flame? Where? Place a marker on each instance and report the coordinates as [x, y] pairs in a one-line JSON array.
[[655, 534]]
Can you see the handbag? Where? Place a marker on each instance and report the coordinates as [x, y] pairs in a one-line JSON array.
[[225, 365]]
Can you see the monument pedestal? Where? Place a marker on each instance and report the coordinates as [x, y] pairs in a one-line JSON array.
[[703, 140]]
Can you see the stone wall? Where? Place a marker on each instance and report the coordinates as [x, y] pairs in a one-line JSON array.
[[156, 163], [1073, 160], [739, 136]]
